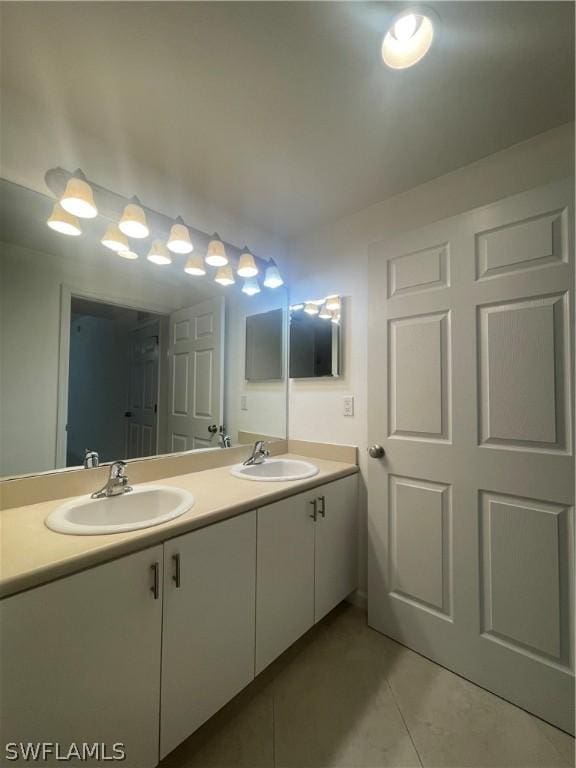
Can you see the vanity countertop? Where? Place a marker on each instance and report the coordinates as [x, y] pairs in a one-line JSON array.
[[31, 554]]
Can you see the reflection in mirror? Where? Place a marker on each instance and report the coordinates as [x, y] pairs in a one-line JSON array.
[[315, 338], [120, 356], [264, 352]]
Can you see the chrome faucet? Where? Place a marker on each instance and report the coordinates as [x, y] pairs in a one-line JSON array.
[[259, 453], [117, 482]]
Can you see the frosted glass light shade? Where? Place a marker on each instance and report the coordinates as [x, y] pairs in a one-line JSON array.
[[225, 276], [246, 265], [195, 265], [407, 41], [336, 317], [272, 277], [133, 222], [78, 199], [251, 287], [325, 313], [216, 253], [128, 254], [333, 303], [311, 309], [63, 222], [114, 239], [179, 239], [159, 254]]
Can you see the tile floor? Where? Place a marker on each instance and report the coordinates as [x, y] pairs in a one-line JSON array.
[[347, 697]]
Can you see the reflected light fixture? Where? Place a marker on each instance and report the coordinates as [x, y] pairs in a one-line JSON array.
[[195, 265], [179, 238], [333, 302], [78, 199], [251, 287], [128, 254], [133, 222], [225, 276], [62, 221], [335, 318], [311, 308], [159, 254], [114, 239], [216, 253], [272, 277], [408, 39], [325, 313], [246, 265]]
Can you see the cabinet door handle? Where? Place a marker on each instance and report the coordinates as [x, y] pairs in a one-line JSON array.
[[176, 574], [322, 510], [155, 588], [314, 513]]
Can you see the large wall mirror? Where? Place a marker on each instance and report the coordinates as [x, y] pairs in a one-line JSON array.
[[123, 357]]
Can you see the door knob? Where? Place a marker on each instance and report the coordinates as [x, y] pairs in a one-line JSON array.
[[376, 451]]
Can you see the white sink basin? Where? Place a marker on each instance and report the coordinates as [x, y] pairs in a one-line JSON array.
[[143, 507], [275, 470]]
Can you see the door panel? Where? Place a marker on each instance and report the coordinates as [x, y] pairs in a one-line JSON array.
[[142, 413], [471, 511], [196, 373]]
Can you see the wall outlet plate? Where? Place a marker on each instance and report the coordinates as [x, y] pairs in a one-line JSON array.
[[349, 405]]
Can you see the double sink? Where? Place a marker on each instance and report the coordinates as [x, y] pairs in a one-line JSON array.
[[149, 505]]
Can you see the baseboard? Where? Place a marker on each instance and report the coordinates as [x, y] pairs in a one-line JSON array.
[[359, 599]]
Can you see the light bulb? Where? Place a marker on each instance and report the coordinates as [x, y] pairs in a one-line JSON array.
[[78, 199], [246, 265], [159, 254], [225, 276], [216, 253], [179, 239], [405, 27], [251, 287], [62, 221], [128, 254], [273, 278], [133, 222], [114, 239], [195, 265], [311, 308]]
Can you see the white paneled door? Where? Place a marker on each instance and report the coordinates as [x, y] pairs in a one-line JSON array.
[[471, 355], [141, 417], [195, 378]]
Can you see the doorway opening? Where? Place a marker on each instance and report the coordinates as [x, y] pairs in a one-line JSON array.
[[113, 381]]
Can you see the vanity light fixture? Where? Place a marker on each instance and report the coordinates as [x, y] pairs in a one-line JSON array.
[[333, 303], [225, 276], [114, 239], [311, 308], [62, 221], [272, 277], [408, 38], [251, 287], [246, 265], [78, 199], [133, 222], [195, 265], [296, 307], [325, 313], [336, 317], [159, 254], [128, 254], [179, 238], [216, 253]]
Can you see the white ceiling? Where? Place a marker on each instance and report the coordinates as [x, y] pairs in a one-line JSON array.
[[280, 113]]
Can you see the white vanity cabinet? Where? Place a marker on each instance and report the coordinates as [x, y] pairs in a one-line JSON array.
[[208, 623], [80, 660], [307, 562]]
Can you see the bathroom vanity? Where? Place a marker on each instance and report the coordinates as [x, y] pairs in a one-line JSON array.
[[138, 638]]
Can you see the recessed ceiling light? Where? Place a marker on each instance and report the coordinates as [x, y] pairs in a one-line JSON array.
[[408, 39]]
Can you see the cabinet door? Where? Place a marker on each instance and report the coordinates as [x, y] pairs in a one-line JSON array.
[[80, 661], [336, 560], [208, 635], [285, 576]]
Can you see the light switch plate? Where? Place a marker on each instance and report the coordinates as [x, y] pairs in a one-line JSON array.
[[243, 402], [349, 405]]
